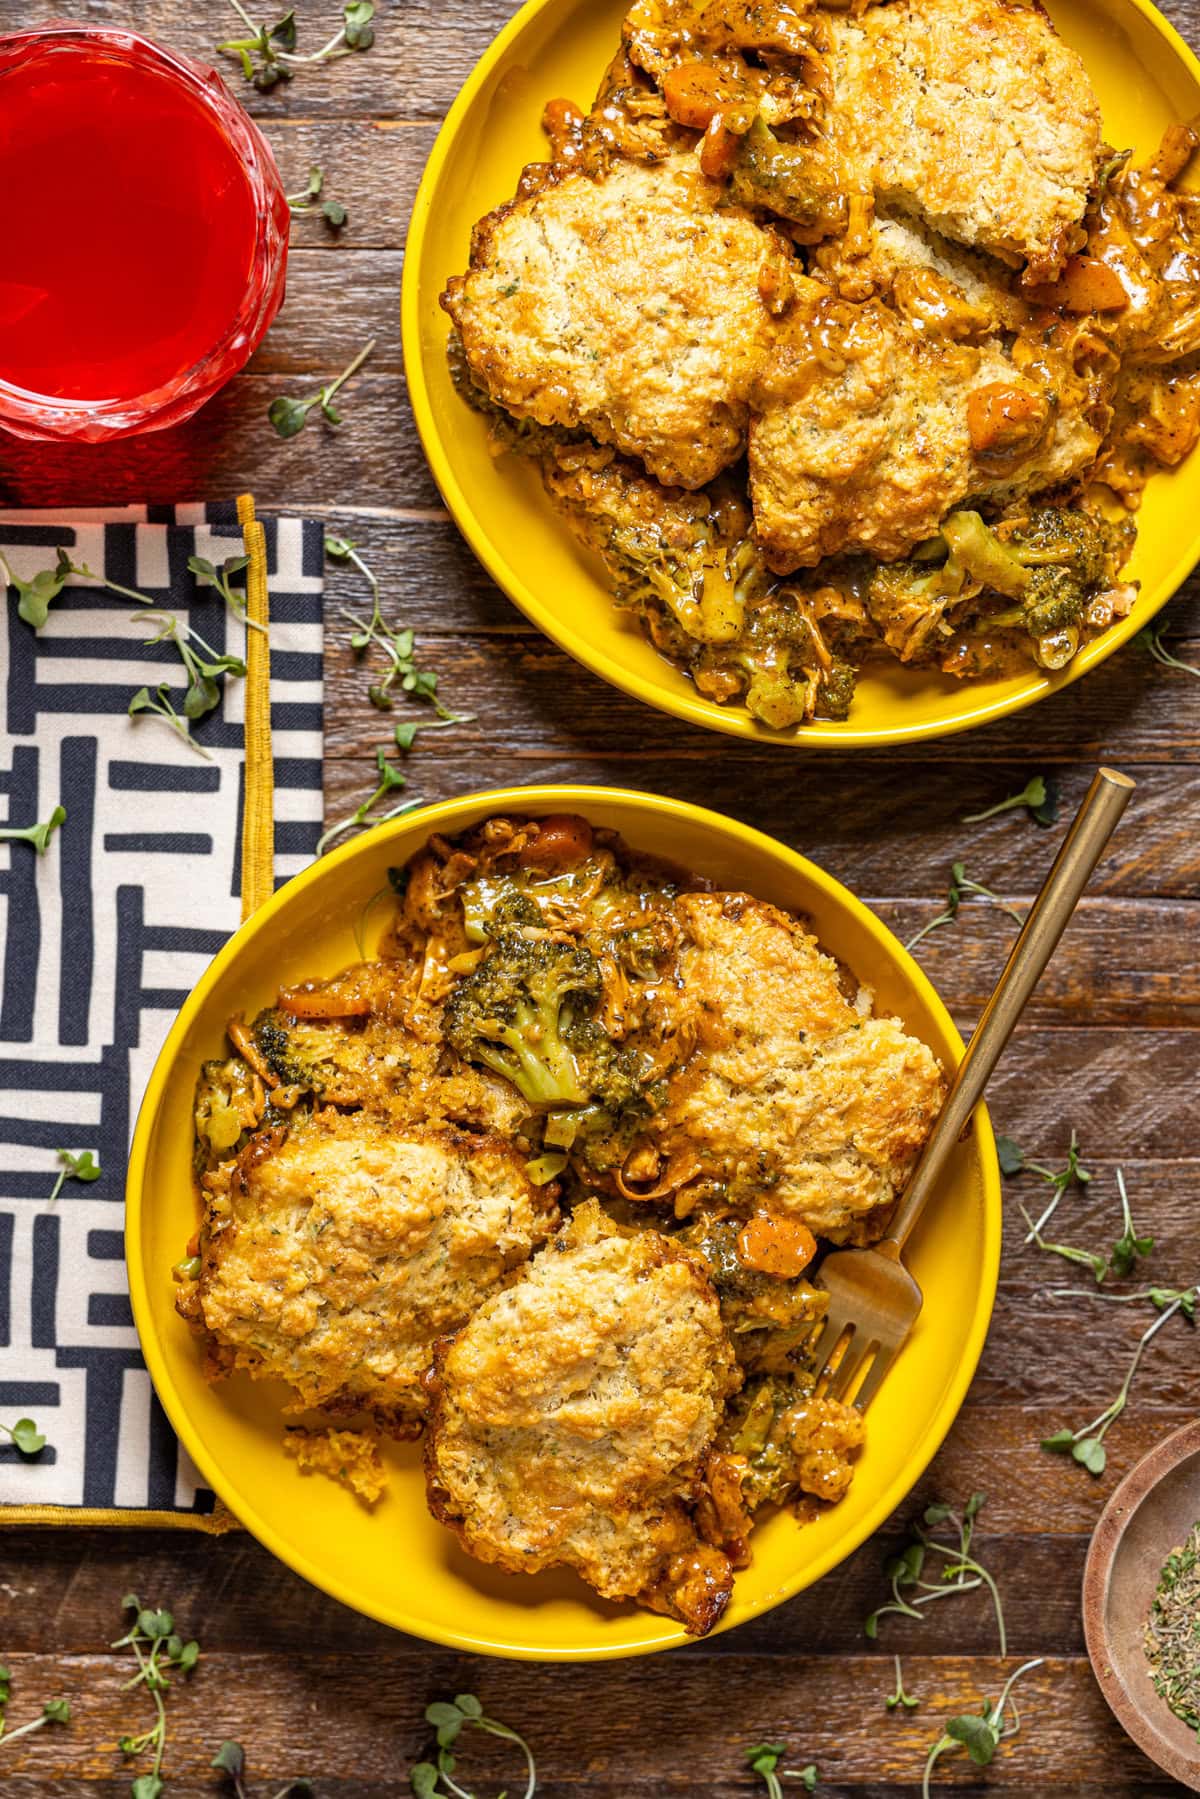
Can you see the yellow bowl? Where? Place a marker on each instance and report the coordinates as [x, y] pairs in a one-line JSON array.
[[1146, 77], [397, 1564]]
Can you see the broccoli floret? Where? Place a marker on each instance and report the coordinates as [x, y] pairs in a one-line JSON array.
[[975, 547], [705, 583], [1053, 601], [228, 1106], [1065, 557], [326, 1057], [298, 1053], [836, 691], [609, 1073], [515, 1014], [792, 661], [1051, 564], [1064, 537]]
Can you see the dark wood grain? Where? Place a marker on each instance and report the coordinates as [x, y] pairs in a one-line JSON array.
[[1109, 1048]]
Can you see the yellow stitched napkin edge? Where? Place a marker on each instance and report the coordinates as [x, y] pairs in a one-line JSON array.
[[258, 884]]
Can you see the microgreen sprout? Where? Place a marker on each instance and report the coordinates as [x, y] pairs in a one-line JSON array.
[[401, 672], [208, 575], [1039, 798], [268, 56], [1013, 1162], [38, 835], [1086, 1445], [38, 592], [344, 549], [1129, 1248], [390, 780], [160, 704], [81, 1167], [1151, 640], [764, 1759], [25, 1436], [398, 646], [230, 1759], [961, 1571], [57, 1711], [979, 1733], [157, 1647], [288, 415], [202, 663], [959, 889], [429, 1779], [44, 587], [309, 200], [1086, 1258], [900, 1697], [1124, 1255]]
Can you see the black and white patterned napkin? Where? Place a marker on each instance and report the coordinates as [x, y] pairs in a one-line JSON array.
[[103, 937]]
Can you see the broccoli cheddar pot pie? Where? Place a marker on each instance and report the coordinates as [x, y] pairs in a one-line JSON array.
[[545, 1182], [839, 334]]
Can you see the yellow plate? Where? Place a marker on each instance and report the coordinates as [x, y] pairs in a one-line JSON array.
[[397, 1564], [1145, 76]]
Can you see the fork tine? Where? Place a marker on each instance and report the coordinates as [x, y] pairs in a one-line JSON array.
[[841, 1381], [884, 1356], [826, 1343]]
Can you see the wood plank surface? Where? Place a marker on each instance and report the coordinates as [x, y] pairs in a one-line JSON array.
[[1109, 1048]]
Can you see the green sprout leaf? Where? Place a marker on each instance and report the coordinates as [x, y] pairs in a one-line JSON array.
[[288, 416], [268, 55], [360, 33], [1011, 1157], [1092, 1454], [37, 835], [81, 1167], [899, 1697], [25, 1435], [38, 593], [977, 1736], [1040, 798]]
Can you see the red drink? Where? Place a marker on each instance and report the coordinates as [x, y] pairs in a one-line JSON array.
[[144, 237]]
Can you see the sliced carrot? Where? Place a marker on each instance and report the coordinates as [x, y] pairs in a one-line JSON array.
[[343, 998], [1086, 285], [1001, 417], [782, 1247], [562, 841], [695, 93], [720, 149]]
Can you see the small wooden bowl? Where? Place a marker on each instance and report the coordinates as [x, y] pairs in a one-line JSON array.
[[1151, 1513]]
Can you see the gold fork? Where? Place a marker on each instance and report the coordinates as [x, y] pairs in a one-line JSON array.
[[873, 1299]]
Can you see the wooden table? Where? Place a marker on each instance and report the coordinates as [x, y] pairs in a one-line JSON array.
[[1109, 1048]]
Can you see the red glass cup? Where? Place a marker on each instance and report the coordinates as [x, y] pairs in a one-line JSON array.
[[143, 252]]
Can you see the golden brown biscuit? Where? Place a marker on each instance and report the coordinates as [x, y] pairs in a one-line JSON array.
[[573, 1413], [973, 113], [796, 1099], [332, 1260], [631, 305]]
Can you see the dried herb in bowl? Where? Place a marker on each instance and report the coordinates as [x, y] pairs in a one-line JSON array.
[[1173, 1632]]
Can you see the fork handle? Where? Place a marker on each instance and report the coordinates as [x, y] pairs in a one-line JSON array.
[[1085, 843]]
